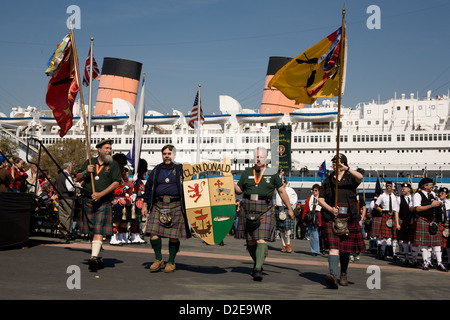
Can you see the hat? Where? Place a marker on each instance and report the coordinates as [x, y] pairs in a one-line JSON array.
[[105, 141], [389, 182], [424, 181], [406, 185], [443, 189], [342, 158]]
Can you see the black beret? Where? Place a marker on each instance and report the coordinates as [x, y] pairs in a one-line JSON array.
[[424, 181], [105, 141]]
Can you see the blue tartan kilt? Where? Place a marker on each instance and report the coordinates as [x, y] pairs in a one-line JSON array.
[[283, 225], [176, 230], [266, 230], [353, 243], [96, 217]]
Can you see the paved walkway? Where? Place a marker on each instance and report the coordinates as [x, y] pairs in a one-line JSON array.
[[47, 267]]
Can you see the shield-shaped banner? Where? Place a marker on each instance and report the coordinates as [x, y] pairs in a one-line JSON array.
[[210, 202]]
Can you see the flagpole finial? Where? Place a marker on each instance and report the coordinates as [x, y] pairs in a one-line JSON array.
[[199, 85], [92, 38]]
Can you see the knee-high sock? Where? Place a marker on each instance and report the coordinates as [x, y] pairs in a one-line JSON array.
[[252, 251], [344, 259], [288, 236], [96, 247], [405, 246], [438, 253], [157, 245], [173, 249], [260, 255], [333, 263], [283, 237], [424, 254]]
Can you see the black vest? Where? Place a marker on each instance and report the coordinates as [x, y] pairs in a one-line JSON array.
[[404, 212], [428, 214]]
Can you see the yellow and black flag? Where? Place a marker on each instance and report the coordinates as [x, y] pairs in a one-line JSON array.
[[316, 72]]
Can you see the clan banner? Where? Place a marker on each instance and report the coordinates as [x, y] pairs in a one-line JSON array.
[[280, 147], [210, 202]]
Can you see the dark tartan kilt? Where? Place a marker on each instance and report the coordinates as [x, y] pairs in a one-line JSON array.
[[444, 241], [375, 227], [385, 231], [266, 230], [176, 230], [353, 243], [423, 236], [283, 225], [96, 217], [407, 231]]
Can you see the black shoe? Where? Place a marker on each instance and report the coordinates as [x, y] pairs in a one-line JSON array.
[[95, 263], [331, 281], [257, 275], [441, 267], [406, 263], [425, 266]]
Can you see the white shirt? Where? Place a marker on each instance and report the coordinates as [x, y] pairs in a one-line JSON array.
[[399, 199], [383, 202], [417, 199], [70, 186], [292, 198]]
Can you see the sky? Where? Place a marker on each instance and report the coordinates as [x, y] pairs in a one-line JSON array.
[[225, 46]]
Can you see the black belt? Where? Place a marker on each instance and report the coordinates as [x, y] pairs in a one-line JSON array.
[[266, 198], [171, 198]]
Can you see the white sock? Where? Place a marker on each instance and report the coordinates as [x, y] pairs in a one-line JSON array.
[[96, 246], [438, 253], [282, 237], [288, 236], [424, 255], [406, 250]]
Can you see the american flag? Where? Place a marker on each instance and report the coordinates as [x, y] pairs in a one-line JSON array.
[[194, 113], [95, 71]]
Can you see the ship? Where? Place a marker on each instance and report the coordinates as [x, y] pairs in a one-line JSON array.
[[402, 139]]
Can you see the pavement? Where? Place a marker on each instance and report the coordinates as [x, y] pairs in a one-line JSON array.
[[47, 268]]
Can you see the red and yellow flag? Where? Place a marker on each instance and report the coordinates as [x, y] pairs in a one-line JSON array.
[[314, 73], [63, 87]]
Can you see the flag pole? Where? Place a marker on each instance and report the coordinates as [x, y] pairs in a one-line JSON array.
[[198, 123], [341, 77], [91, 65], [77, 74]]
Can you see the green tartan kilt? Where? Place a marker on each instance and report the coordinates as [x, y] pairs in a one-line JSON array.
[[96, 217], [175, 230], [266, 230], [283, 225]]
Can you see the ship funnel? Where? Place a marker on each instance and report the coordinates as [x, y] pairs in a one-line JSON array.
[[119, 79], [273, 101]]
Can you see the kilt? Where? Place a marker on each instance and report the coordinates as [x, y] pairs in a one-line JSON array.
[[283, 225], [407, 231], [423, 236], [385, 231], [176, 230], [353, 243], [444, 241], [266, 230], [96, 217], [375, 227]]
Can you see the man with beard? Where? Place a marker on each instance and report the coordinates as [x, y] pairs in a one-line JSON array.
[[97, 205], [164, 205]]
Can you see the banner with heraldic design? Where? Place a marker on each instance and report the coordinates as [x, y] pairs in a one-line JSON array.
[[210, 201]]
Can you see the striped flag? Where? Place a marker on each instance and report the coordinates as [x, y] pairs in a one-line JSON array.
[[95, 71], [195, 112]]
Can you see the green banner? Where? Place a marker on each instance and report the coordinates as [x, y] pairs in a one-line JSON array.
[[280, 147]]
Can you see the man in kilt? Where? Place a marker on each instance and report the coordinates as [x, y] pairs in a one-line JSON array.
[[285, 225], [407, 223], [164, 205], [340, 240], [388, 207], [256, 220], [427, 230], [96, 219], [444, 225]]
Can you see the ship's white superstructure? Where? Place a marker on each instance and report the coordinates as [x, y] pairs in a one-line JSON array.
[[405, 136]]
